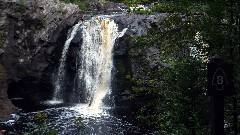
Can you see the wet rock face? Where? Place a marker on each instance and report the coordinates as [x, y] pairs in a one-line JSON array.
[[127, 65], [31, 35], [6, 107], [137, 25]]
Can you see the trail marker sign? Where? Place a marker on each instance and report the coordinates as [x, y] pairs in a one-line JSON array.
[[220, 84], [220, 79]]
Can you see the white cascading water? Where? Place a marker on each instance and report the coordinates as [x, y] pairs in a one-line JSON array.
[[94, 73], [93, 77], [60, 73]]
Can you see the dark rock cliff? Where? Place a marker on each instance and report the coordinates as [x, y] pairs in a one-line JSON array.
[[6, 107], [32, 33], [127, 65]]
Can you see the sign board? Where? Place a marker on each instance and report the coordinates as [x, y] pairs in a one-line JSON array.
[[220, 79]]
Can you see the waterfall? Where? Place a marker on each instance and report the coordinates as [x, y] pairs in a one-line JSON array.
[[95, 62], [61, 70]]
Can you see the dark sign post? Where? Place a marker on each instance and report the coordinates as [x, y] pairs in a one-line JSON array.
[[220, 84]]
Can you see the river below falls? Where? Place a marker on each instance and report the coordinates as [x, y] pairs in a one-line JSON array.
[[71, 120]]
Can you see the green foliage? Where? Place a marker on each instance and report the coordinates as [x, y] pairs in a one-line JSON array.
[[43, 19], [179, 103], [67, 1], [117, 1], [129, 2], [82, 5], [140, 11], [33, 27], [79, 123], [40, 125], [41, 117], [184, 101], [181, 6], [21, 5]]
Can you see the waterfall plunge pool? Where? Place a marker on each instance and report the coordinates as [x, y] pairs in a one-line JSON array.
[[70, 120]]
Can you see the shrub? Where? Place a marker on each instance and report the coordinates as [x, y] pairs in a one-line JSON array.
[[82, 5]]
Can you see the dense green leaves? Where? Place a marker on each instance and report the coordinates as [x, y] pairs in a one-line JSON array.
[[181, 104], [191, 33]]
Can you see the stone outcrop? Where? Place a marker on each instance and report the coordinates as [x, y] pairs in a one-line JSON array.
[[31, 31], [126, 64], [31, 34], [6, 107]]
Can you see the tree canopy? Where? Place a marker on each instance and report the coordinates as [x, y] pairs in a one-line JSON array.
[[192, 32]]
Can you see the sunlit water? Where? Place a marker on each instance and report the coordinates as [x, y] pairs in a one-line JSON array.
[[73, 121]]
